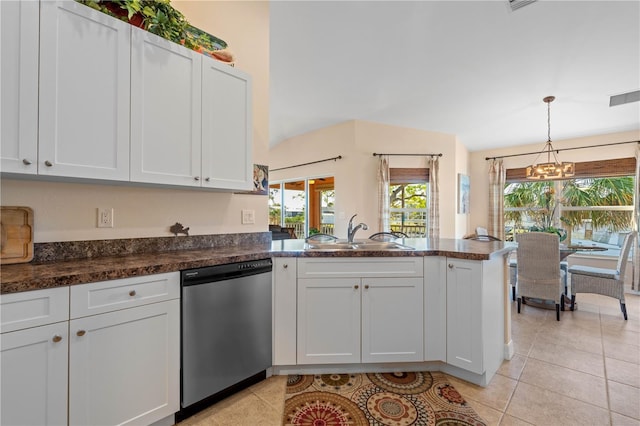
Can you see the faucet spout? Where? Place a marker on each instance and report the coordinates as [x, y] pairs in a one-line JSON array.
[[351, 231]]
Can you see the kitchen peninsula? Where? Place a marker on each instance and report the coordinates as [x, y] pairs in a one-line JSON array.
[[441, 306]]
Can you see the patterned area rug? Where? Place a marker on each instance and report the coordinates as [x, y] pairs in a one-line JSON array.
[[389, 399]]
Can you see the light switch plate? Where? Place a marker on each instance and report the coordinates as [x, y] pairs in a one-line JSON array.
[[248, 217]]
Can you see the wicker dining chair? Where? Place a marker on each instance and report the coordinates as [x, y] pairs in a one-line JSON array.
[[539, 275], [607, 282]]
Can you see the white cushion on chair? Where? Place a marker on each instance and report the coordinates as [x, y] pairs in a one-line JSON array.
[[594, 272]]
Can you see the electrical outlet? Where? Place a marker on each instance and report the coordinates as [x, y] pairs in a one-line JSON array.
[[248, 217], [105, 217]]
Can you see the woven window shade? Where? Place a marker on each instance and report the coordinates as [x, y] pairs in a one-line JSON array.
[[587, 169], [406, 175]]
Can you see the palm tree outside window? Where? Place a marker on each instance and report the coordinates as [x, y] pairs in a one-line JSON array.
[[586, 210]]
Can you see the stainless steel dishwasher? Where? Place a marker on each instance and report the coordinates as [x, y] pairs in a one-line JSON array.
[[226, 331]]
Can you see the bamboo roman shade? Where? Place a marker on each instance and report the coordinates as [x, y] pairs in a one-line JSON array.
[[587, 169], [407, 175]]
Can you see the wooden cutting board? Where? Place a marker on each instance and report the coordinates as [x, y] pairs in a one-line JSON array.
[[16, 235]]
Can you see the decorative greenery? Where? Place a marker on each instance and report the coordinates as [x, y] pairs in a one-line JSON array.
[[160, 18], [537, 202]]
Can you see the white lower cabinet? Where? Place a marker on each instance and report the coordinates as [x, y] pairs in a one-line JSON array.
[[475, 315], [357, 314], [34, 376], [124, 361], [284, 311], [464, 322], [122, 366], [328, 320], [33, 357], [392, 319]]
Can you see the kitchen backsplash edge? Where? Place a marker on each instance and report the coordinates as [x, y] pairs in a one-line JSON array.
[[72, 250]]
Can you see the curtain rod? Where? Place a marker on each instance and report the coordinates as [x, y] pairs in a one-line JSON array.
[[414, 155], [339, 157], [561, 149]]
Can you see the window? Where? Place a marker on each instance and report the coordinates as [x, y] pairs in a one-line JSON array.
[[593, 208], [306, 205], [408, 201]]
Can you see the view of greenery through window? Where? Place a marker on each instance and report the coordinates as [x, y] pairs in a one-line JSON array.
[[585, 211], [408, 208]]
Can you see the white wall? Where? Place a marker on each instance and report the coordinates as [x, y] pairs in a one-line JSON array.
[[67, 211], [355, 174]]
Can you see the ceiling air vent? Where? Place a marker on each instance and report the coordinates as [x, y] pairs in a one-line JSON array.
[[624, 98], [517, 4]]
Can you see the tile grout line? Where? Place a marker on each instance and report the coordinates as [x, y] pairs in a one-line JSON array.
[[604, 362]]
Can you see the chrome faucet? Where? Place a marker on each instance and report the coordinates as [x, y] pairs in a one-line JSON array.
[[351, 231]]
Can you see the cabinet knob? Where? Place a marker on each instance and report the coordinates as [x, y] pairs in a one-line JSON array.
[[366, 286], [26, 162], [57, 338], [285, 266], [356, 286], [450, 266], [48, 163], [207, 179], [132, 293], [80, 333], [196, 177]]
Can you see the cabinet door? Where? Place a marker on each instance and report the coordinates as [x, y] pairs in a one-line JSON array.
[[284, 311], [464, 314], [124, 365], [435, 308], [34, 376], [165, 111], [84, 92], [392, 320], [226, 127], [328, 320], [19, 80]]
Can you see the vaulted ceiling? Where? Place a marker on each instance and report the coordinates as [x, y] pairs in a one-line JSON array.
[[475, 69]]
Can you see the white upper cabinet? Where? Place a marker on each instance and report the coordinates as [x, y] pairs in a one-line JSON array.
[[165, 111], [19, 87], [226, 127], [84, 93]]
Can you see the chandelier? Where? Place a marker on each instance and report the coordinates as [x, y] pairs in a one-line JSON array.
[[549, 170]]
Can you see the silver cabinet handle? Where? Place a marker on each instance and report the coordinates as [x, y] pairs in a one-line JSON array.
[[285, 266], [48, 163], [80, 333], [57, 338], [450, 266], [26, 162], [356, 286], [132, 293], [196, 177]]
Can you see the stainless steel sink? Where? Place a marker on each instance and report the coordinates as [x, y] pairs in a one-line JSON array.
[[357, 245]]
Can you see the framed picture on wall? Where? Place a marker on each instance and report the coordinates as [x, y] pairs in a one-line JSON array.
[[463, 193], [260, 181]]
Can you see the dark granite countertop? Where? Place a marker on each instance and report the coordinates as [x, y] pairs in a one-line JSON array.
[[40, 275]]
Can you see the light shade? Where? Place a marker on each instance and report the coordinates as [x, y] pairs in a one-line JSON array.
[[550, 171]]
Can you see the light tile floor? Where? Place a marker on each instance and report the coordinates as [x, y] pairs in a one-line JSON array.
[[583, 370]]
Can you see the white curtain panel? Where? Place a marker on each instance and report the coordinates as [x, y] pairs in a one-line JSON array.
[[383, 194], [635, 284], [496, 198], [434, 198]]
